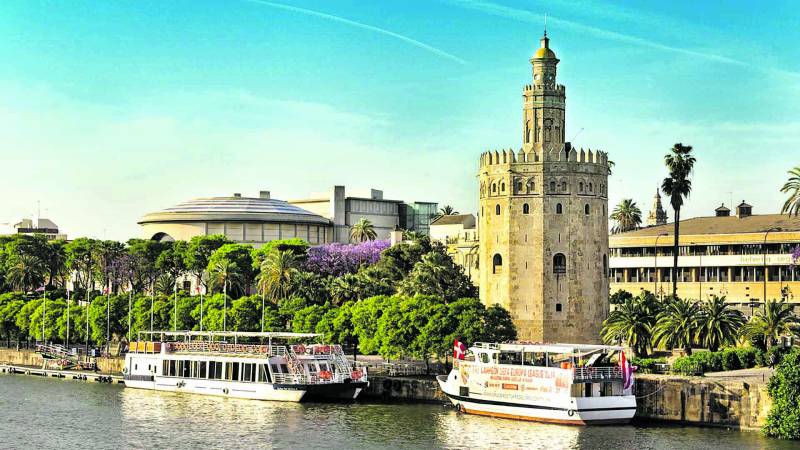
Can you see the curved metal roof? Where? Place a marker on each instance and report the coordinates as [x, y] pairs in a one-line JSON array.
[[239, 209]]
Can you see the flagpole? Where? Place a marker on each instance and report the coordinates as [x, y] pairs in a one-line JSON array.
[[87, 319], [200, 290], [108, 317], [66, 343], [130, 300], [175, 308], [44, 313], [225, 308]]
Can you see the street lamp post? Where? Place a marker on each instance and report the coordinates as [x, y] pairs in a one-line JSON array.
[[655, 263]]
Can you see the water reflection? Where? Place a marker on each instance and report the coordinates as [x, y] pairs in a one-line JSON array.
[[52, 414]]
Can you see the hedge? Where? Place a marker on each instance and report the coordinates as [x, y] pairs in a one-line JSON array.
[[726, 359]]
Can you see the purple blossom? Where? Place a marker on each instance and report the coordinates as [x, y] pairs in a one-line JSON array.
[[339, 259], [795, 255]]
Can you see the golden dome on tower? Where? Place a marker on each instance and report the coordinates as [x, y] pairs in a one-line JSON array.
[[544, 51]]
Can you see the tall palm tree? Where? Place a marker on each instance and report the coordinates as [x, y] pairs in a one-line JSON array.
[[677, 325], [26, 272], [362, 231], [631, 323], [627, 215], [278, 270], [792, 187], [776, 319], [676, 186], [718, 323], [224, 274], [447, 210]]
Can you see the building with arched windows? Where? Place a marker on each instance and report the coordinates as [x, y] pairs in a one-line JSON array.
[[543, 225]]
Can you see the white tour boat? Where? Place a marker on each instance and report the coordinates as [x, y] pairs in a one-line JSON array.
[[558, 383], [283, 366]]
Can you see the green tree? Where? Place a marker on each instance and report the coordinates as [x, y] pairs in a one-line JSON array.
[[225, 274], [245, 314], [77, 324], [792, 187], [398, 326], [677, 186], [677, 325], [240, 256], [53, 310], [619, 297], [447, 210], [627, 216], [101, 323], [311, 287], [23, 319], [783, 421], [631, 323], [363, 231], [56, 262], [434, 326], [437, 275], [171, 262], [365, 316], [296, 246], [365, 283], [26, 272], [143, 254], [199, 251], [80, 261], [718, 324], [10, 305], [775, 319], [307, 319], [107, 255], [277, 272], [498, 325]]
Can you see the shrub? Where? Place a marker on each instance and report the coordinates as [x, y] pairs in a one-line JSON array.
[[730, 359], [761, 358], [747, 357], [686, 365], [647, 365], [774, 356], [783, 420]]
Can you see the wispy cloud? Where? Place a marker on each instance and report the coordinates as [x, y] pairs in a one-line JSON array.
[[363, 26], [530, 17]]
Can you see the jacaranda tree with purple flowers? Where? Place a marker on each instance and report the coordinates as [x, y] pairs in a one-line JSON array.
[[339, 259]]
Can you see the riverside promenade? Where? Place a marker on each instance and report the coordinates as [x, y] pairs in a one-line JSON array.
[[735, 399]]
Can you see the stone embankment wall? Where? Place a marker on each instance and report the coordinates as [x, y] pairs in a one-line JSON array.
[[404, 389], [742, 404], [111, 366]]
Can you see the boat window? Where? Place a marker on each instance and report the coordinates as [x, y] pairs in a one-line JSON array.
[[215, 370], [232, 371], [587, 389], [187, 367], [485, 358], [264, 377], [284, 368], [510, 358], [276, 368], [202, 373], [248, 372], [312, 367], [172, 371], [135, 367], [605, 389], [323, 367]]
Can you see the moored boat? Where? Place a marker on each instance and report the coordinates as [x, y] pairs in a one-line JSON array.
[[263, 366], [557, 383]]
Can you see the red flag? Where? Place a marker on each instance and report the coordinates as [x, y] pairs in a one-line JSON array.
[[459, 350], [627, 372]]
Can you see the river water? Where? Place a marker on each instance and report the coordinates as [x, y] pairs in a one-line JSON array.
[[60, 414]]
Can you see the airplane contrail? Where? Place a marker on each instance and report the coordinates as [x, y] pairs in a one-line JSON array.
[[363, 26]]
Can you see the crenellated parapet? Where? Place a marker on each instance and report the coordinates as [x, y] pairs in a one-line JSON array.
[[531, 155], [532, 89]]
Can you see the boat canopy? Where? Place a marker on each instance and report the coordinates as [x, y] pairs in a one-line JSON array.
[[189, 334], [560, 348]]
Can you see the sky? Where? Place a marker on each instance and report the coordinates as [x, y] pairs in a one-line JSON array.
[[111, 110]]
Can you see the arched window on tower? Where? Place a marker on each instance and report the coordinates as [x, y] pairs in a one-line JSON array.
[[559, 263], [586, 209], [526, 209], [496, 210], [564, 186], [590, 187], [497, 263], [502, 187], [580, 186], [559, 208], [494, 187], [552, 186]]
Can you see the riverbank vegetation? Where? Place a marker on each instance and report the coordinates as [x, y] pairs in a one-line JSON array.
[[647, 324], [405, 300]]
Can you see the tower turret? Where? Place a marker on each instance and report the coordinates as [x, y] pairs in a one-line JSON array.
[[544, 102], [657, 214]]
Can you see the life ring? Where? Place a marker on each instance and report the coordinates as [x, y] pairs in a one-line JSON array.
[[325, 375], [571, 412], [299, 348], [225, 390], [356, 375]]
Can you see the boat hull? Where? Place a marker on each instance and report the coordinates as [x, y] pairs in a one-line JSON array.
[[575, 411], [253, 391]]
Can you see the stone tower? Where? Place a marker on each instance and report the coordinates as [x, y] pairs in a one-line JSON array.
[[657, 214], [543, 221]]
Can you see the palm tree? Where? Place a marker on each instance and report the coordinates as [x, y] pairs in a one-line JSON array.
[[363, 231], [627, 215], [278, 270], [447, 210], [776, 319], [225, 273], [677, 185], [632, 323], [677, 325], [26, 272], [718, 323], [792, 187]]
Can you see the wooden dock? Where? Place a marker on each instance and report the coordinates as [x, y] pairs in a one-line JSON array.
[[62, 374]]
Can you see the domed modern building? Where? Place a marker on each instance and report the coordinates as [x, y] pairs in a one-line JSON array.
[[248, 220]]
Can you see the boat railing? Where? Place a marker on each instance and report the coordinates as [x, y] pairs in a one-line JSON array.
[[297, 378], [597, 373], [221, 347]]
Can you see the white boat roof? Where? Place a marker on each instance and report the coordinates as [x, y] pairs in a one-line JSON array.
[[256, 334], [546, 347]]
